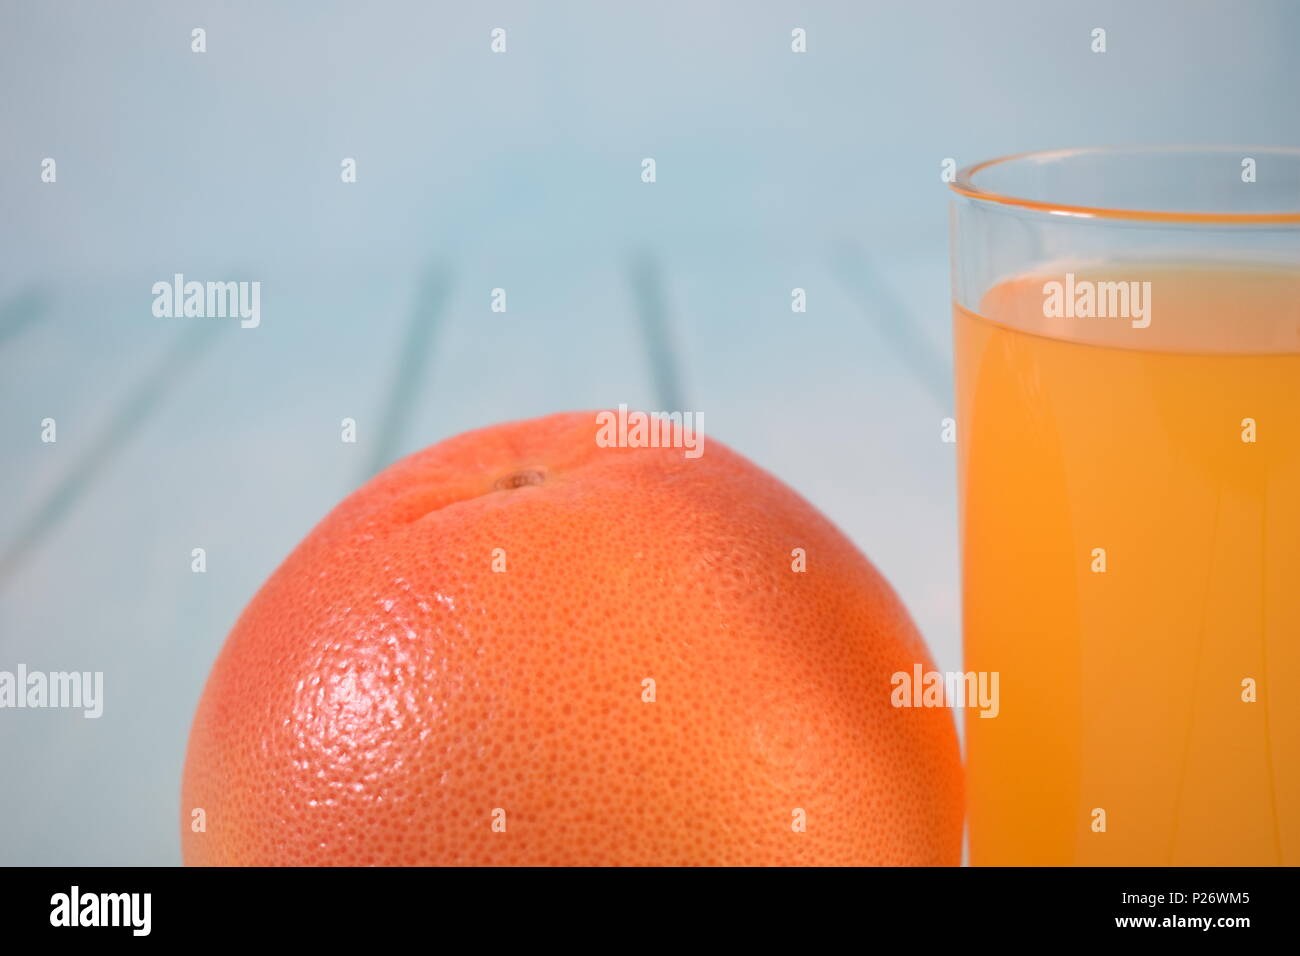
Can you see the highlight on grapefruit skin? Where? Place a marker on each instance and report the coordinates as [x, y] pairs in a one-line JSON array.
[[517, 647]]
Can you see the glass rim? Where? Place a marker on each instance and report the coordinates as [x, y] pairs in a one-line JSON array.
[[964, 185]]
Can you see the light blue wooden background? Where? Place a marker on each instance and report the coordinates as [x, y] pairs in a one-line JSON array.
[[476, 171]]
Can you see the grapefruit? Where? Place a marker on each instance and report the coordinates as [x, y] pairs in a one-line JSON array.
[[520, 647]]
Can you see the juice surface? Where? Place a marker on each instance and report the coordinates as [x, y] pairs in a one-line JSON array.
[[1130, 508]]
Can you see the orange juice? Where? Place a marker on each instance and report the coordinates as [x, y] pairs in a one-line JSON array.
[[1130, 514]]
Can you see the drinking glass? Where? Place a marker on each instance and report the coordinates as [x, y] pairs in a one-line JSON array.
[[1127, 339]]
